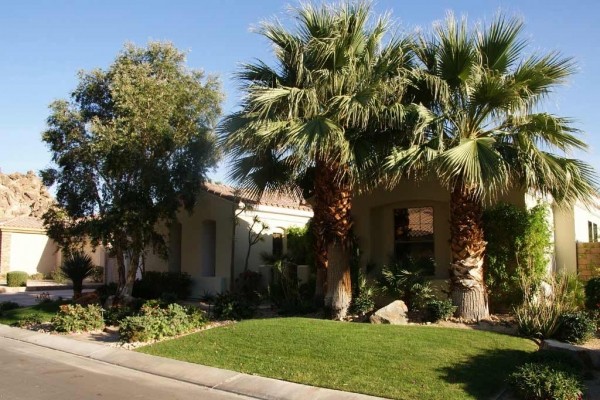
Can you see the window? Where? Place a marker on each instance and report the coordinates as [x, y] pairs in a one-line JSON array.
[[413, 233], [592, 232], [277, 244]]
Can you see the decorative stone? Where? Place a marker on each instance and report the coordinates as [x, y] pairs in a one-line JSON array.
[[394, 314]]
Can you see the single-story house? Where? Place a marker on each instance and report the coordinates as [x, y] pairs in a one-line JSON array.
[[215, 237], [24, 246], [382, 218]]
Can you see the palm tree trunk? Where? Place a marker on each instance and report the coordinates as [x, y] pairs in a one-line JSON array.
[[320, 249], [333, 200], [469, 293]]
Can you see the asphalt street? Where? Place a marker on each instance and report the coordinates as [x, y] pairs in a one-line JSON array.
[[30, 372]]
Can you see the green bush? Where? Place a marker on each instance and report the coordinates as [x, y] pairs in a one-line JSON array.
[[592, 294], [407, 280], [577, 327], [155, 322], [300, 245], [518, 245], [16, 278], [38, 276], [436, 310], [228, 305], [154, 284], [97, 275], [8, 305], [77, 318], [543, 381], [57, 276], [76, 267]]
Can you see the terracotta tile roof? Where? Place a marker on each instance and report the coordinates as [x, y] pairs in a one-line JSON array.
[[23, 222], [267, 199]]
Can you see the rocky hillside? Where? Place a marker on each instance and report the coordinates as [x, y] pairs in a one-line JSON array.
[[23, 195]]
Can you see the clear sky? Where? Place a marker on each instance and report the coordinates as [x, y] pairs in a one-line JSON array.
[[44, 43]]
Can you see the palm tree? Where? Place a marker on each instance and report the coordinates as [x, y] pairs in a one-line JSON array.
[[486, 135], [319, 120]]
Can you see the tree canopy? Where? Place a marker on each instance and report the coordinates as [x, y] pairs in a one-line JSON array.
[[131, 145]]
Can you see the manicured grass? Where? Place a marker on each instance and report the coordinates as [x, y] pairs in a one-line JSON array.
[[42, 311], [401, 362]]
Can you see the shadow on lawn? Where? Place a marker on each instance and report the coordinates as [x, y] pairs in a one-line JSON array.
[[484, 375]]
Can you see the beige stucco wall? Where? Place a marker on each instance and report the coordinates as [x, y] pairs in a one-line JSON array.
[[571, 226], [32, 253], [277, 219], [213, 208]]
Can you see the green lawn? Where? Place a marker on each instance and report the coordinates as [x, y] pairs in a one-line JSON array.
[[402, 362], [42, 311]]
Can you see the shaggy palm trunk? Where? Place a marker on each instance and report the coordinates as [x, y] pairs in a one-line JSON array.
[[469, 293], [320, 249], [333, 204]]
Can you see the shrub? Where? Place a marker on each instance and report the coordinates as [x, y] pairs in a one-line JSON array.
[[539, 313], [363, 301], [16, 278], [153, 284], [77, 318], [57, 276], [542, 381], [518, 245], [105, 291], [114, 315], [406, 279], [97, 275], [38, 276], [248, 285], [575, 327], [300, 245], [155, 323], [76, 267], [285, 293], [592, 294], [436, 310], [8, 305], [230, 305]]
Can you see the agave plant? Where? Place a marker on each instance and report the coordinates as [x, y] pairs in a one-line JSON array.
[[77, 266]]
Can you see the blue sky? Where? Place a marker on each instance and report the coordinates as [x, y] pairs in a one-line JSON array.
[[44, 43]]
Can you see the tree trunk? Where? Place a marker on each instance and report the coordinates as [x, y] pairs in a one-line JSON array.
[[127, 288], [320, 249], [332, 206], [338, 298], [469, 293]]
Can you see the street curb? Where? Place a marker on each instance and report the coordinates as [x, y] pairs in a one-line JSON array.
[[210, 377]]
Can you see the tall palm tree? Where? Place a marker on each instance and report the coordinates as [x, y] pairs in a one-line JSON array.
[[320, 119], [487, 134]]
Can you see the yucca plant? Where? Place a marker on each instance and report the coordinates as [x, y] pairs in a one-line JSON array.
[[76, 267]]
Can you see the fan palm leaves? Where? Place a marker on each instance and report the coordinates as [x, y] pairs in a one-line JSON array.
[[320, 119], [486, 133]]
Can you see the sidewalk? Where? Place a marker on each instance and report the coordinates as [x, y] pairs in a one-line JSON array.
[[224, 380]]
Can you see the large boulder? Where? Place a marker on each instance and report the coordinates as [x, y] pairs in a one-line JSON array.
[[23, 195], [394, 314]]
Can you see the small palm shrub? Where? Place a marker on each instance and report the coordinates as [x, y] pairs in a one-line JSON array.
[[406, 279], [76, 267], [592, 294], [16, 278], [232, 306], [77, 318], [364, 300], [577, 327]]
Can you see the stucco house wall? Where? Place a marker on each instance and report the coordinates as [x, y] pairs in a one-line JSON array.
[[200, 244], [571, 227]]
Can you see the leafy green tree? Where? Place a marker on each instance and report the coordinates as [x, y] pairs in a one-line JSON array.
[[317, 120], [487, 134], [131, 146]]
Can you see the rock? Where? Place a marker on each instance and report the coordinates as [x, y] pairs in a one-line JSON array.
[[115, 301], [394, 314], [23, 195], [587, 357]]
